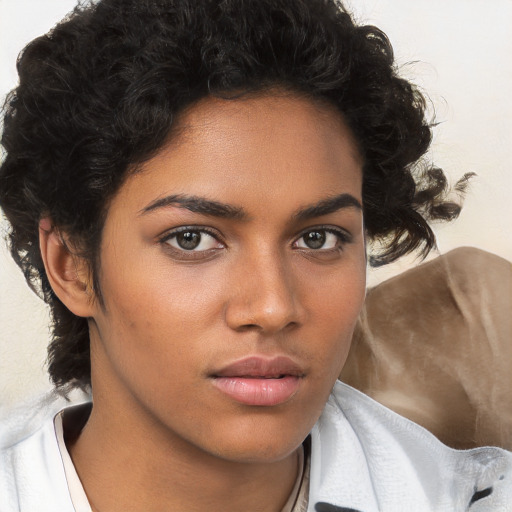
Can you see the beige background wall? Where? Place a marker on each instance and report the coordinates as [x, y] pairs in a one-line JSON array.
[[461, 50]]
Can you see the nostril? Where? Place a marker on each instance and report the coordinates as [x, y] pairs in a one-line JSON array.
[[249, 327], [266, 328]]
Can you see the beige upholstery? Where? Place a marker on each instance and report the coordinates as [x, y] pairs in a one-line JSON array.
[[435, 345]]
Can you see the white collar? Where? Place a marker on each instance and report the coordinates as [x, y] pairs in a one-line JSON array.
[[76, 490], [367, 458]]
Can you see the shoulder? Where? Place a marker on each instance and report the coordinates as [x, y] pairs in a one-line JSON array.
[[32, 475], [368, 458], [24, 419]]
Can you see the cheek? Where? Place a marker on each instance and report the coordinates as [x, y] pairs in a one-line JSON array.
[[334, 305], [157, 320]]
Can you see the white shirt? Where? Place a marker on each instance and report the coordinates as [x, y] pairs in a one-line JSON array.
[[364, 458]]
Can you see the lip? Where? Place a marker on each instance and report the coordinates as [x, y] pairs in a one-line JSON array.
[[259, 381]]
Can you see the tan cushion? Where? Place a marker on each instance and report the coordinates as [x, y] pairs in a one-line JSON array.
[[435, 345]]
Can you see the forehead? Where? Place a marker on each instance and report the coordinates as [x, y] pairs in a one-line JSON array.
[[267, 120], [251, 150]]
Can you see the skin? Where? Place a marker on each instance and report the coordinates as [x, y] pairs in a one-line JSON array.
[[172, 318]]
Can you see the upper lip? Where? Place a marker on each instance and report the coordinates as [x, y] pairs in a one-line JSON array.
[[258, 366]]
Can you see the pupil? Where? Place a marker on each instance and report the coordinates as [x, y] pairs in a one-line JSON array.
[[188, 240], [315, 239]]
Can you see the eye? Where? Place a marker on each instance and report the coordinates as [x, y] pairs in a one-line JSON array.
[[192, 240], [321, 239]]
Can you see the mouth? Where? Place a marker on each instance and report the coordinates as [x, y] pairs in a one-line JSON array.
[[261, 376], [260, 367], [259, 381]]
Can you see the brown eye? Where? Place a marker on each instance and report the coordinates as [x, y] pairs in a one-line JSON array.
[[188, 240], [314, 239], [193, 240], [318, 239]]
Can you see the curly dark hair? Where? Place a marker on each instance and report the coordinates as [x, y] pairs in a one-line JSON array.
[[98, 95]]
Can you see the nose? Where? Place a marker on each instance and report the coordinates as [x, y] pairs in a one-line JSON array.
[[264, 297]]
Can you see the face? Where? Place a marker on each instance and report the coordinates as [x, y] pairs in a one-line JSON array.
[[232, 272]]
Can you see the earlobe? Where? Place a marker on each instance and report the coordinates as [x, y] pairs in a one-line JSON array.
[[67, 272]]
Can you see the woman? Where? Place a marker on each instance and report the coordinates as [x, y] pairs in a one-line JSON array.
[[192, 185]]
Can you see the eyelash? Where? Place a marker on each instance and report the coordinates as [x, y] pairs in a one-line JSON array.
[[343, 238], [164, 240]]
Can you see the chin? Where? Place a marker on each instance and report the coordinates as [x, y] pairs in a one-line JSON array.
[[259, 454], [259, 441]]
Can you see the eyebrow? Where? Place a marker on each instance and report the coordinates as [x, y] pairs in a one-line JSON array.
[[197, 204], [327, 206], [212, 208]]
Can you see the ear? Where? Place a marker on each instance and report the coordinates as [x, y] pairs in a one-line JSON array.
[[68, 273]]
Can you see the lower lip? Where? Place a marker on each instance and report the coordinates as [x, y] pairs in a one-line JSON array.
[[262, 392]]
